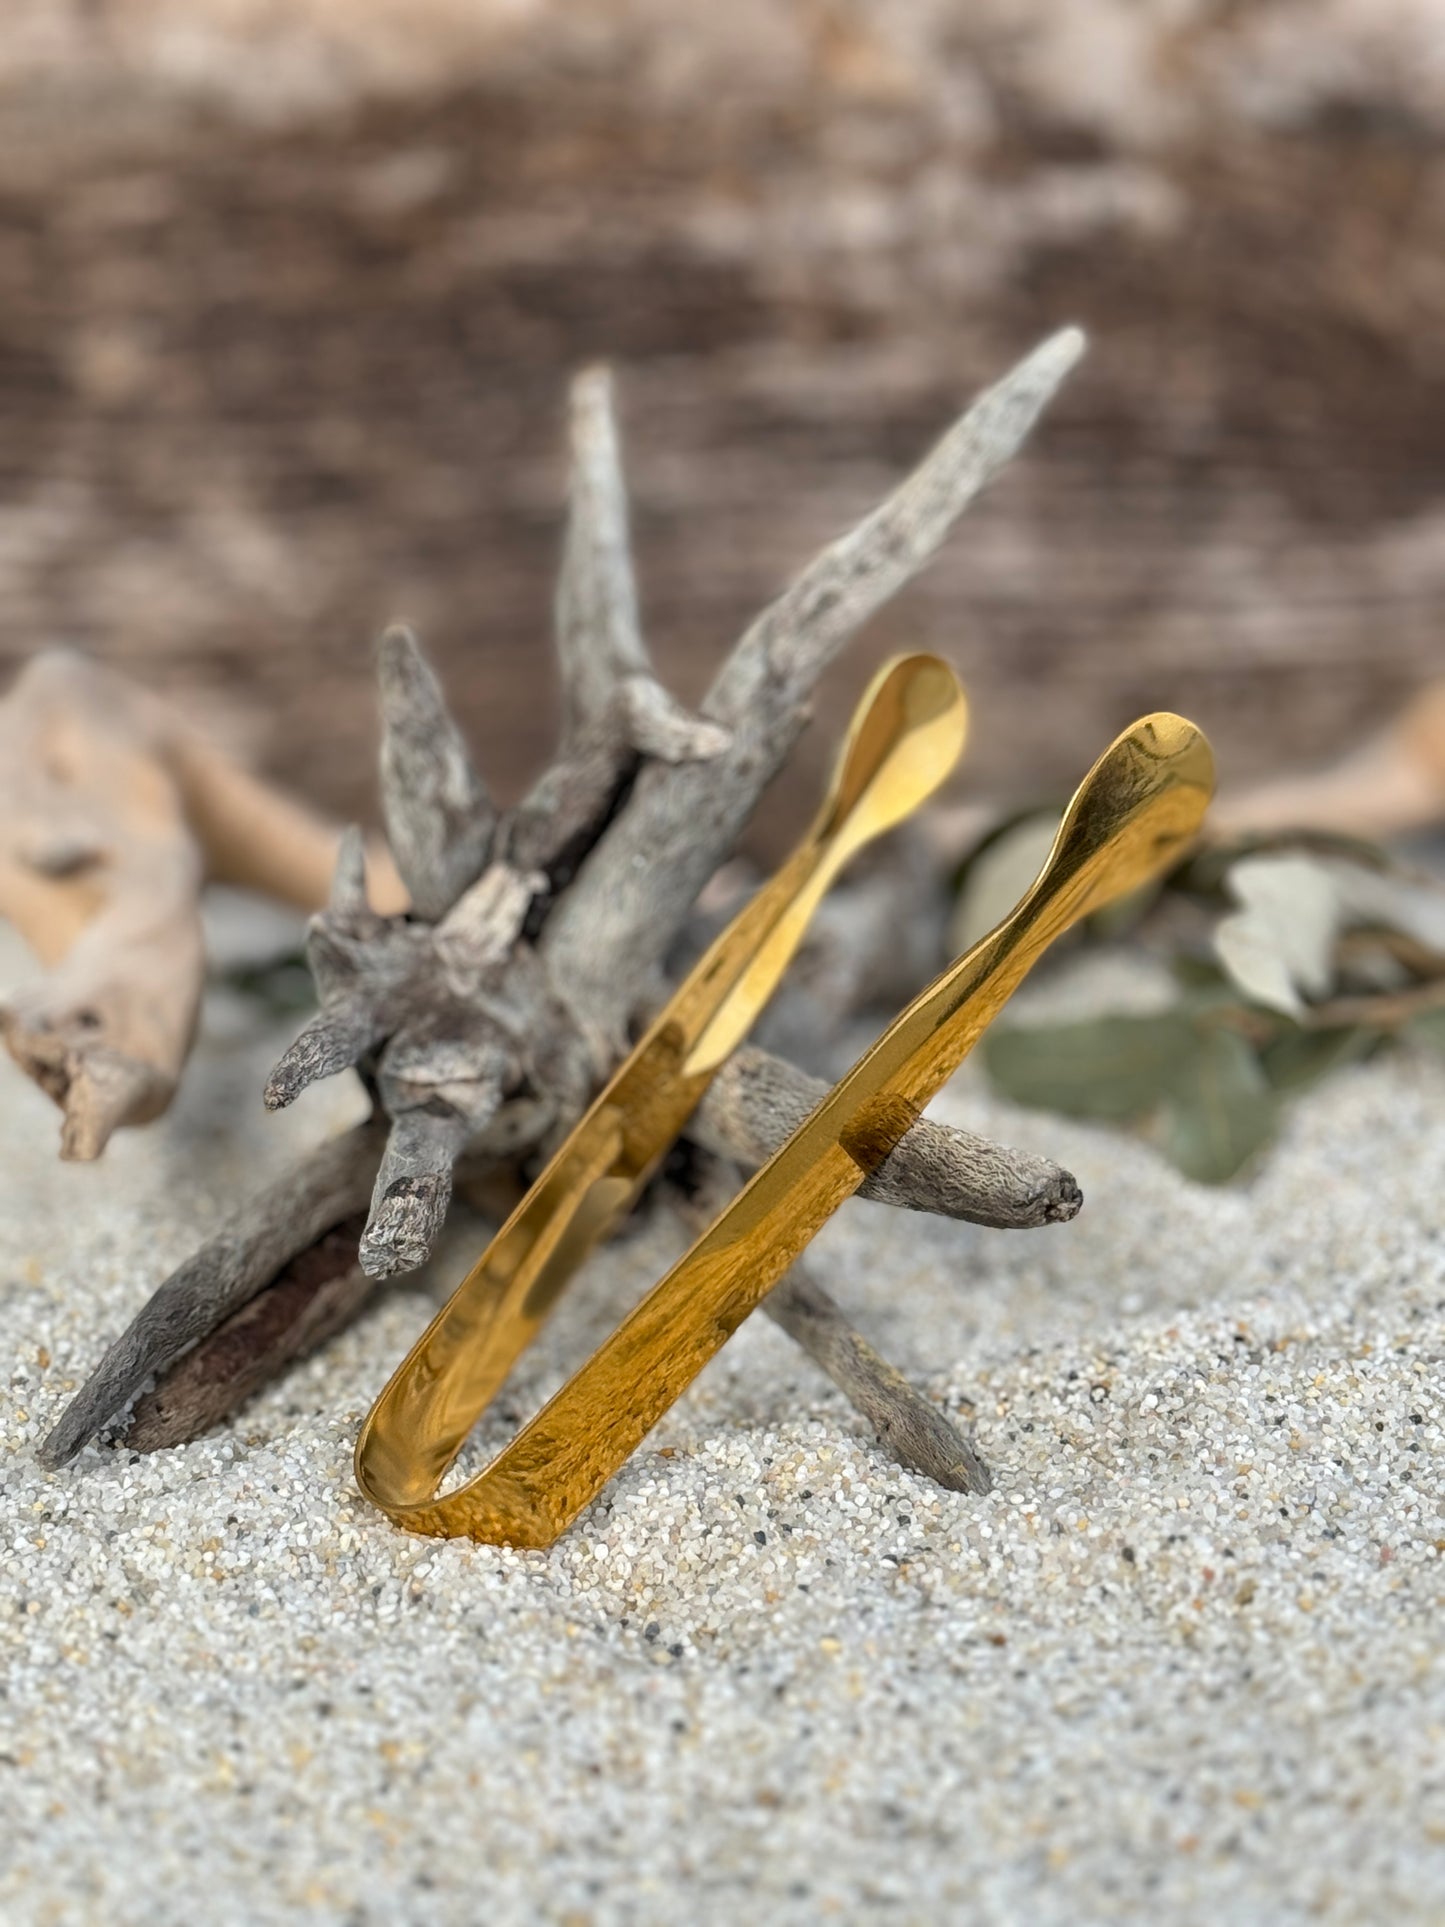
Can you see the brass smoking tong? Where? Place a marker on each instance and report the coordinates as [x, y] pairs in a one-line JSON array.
[[1134, 812]]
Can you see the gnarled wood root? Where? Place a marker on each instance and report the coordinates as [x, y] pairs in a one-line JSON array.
[[539, 936]]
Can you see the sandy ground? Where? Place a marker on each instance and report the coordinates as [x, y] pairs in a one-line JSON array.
[[1183, 1664]]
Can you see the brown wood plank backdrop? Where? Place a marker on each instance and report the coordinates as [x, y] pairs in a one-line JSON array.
[[268, 379]]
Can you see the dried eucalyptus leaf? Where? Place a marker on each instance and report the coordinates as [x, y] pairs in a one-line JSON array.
[[1427, 1028], [1206, 872], [1373, 967], [1294, 1059], [998, 875], [1221, 1112], [1280, 942], [1413, 905], [1201, 978], [1114, 1068]]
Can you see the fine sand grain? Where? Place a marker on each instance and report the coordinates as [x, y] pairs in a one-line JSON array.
[[1183, 1664]]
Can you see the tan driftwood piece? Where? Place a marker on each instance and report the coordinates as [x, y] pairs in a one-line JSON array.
[[483, 1021], [114, 812], [1392, 785]]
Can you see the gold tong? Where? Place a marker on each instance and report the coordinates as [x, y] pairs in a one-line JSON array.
[[1138, 807]]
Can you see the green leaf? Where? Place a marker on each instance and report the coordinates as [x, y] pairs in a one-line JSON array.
[[1221, 1110], [1116, 1068], [1217, 1097], [1193, 973], [1427, 1028], [1293, 1059]]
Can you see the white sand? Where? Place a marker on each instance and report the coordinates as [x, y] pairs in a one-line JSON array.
[[1183, 1664]]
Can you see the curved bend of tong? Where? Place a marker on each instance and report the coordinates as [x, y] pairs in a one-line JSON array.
[[906, 735], [1137, 809]]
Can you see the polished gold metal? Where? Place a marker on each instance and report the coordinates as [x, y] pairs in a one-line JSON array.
[[1139, 806], [906, 735]]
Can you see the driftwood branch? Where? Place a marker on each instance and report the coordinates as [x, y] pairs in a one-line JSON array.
[[485, 1018], [245, 1256], [433, 1121], [114, 812], [314, 1295], [911, 1426], [758, 1100], [908, 1424], [289, 1288], [439, 820], [1390, 786], [628, 905], [614, 711]]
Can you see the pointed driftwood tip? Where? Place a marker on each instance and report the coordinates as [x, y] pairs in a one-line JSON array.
[[1046, 365], [398, 656], [1034, 381], [348, 882], [398, 636], [77, 1425], [592, 384]]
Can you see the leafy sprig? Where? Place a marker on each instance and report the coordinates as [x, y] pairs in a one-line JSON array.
[[1293, 958]]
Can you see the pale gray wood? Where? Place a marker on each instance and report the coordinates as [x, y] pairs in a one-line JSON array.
[[261, 1236], [485, 1019], [634, 893], [439, 820], [759, 1100], [312, 1299], [614, 711], [911, 1426]]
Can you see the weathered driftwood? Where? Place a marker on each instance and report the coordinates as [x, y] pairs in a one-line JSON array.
[[243, 1294], [322, 1288], [113, 814], [1391, 785], [911, 1426], [318, 1292], [613, 928], [759, 1100], [246, 1256], [914, 1430], [539, 935]]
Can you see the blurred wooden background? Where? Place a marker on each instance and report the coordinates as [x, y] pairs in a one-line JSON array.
[[289, 297]]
